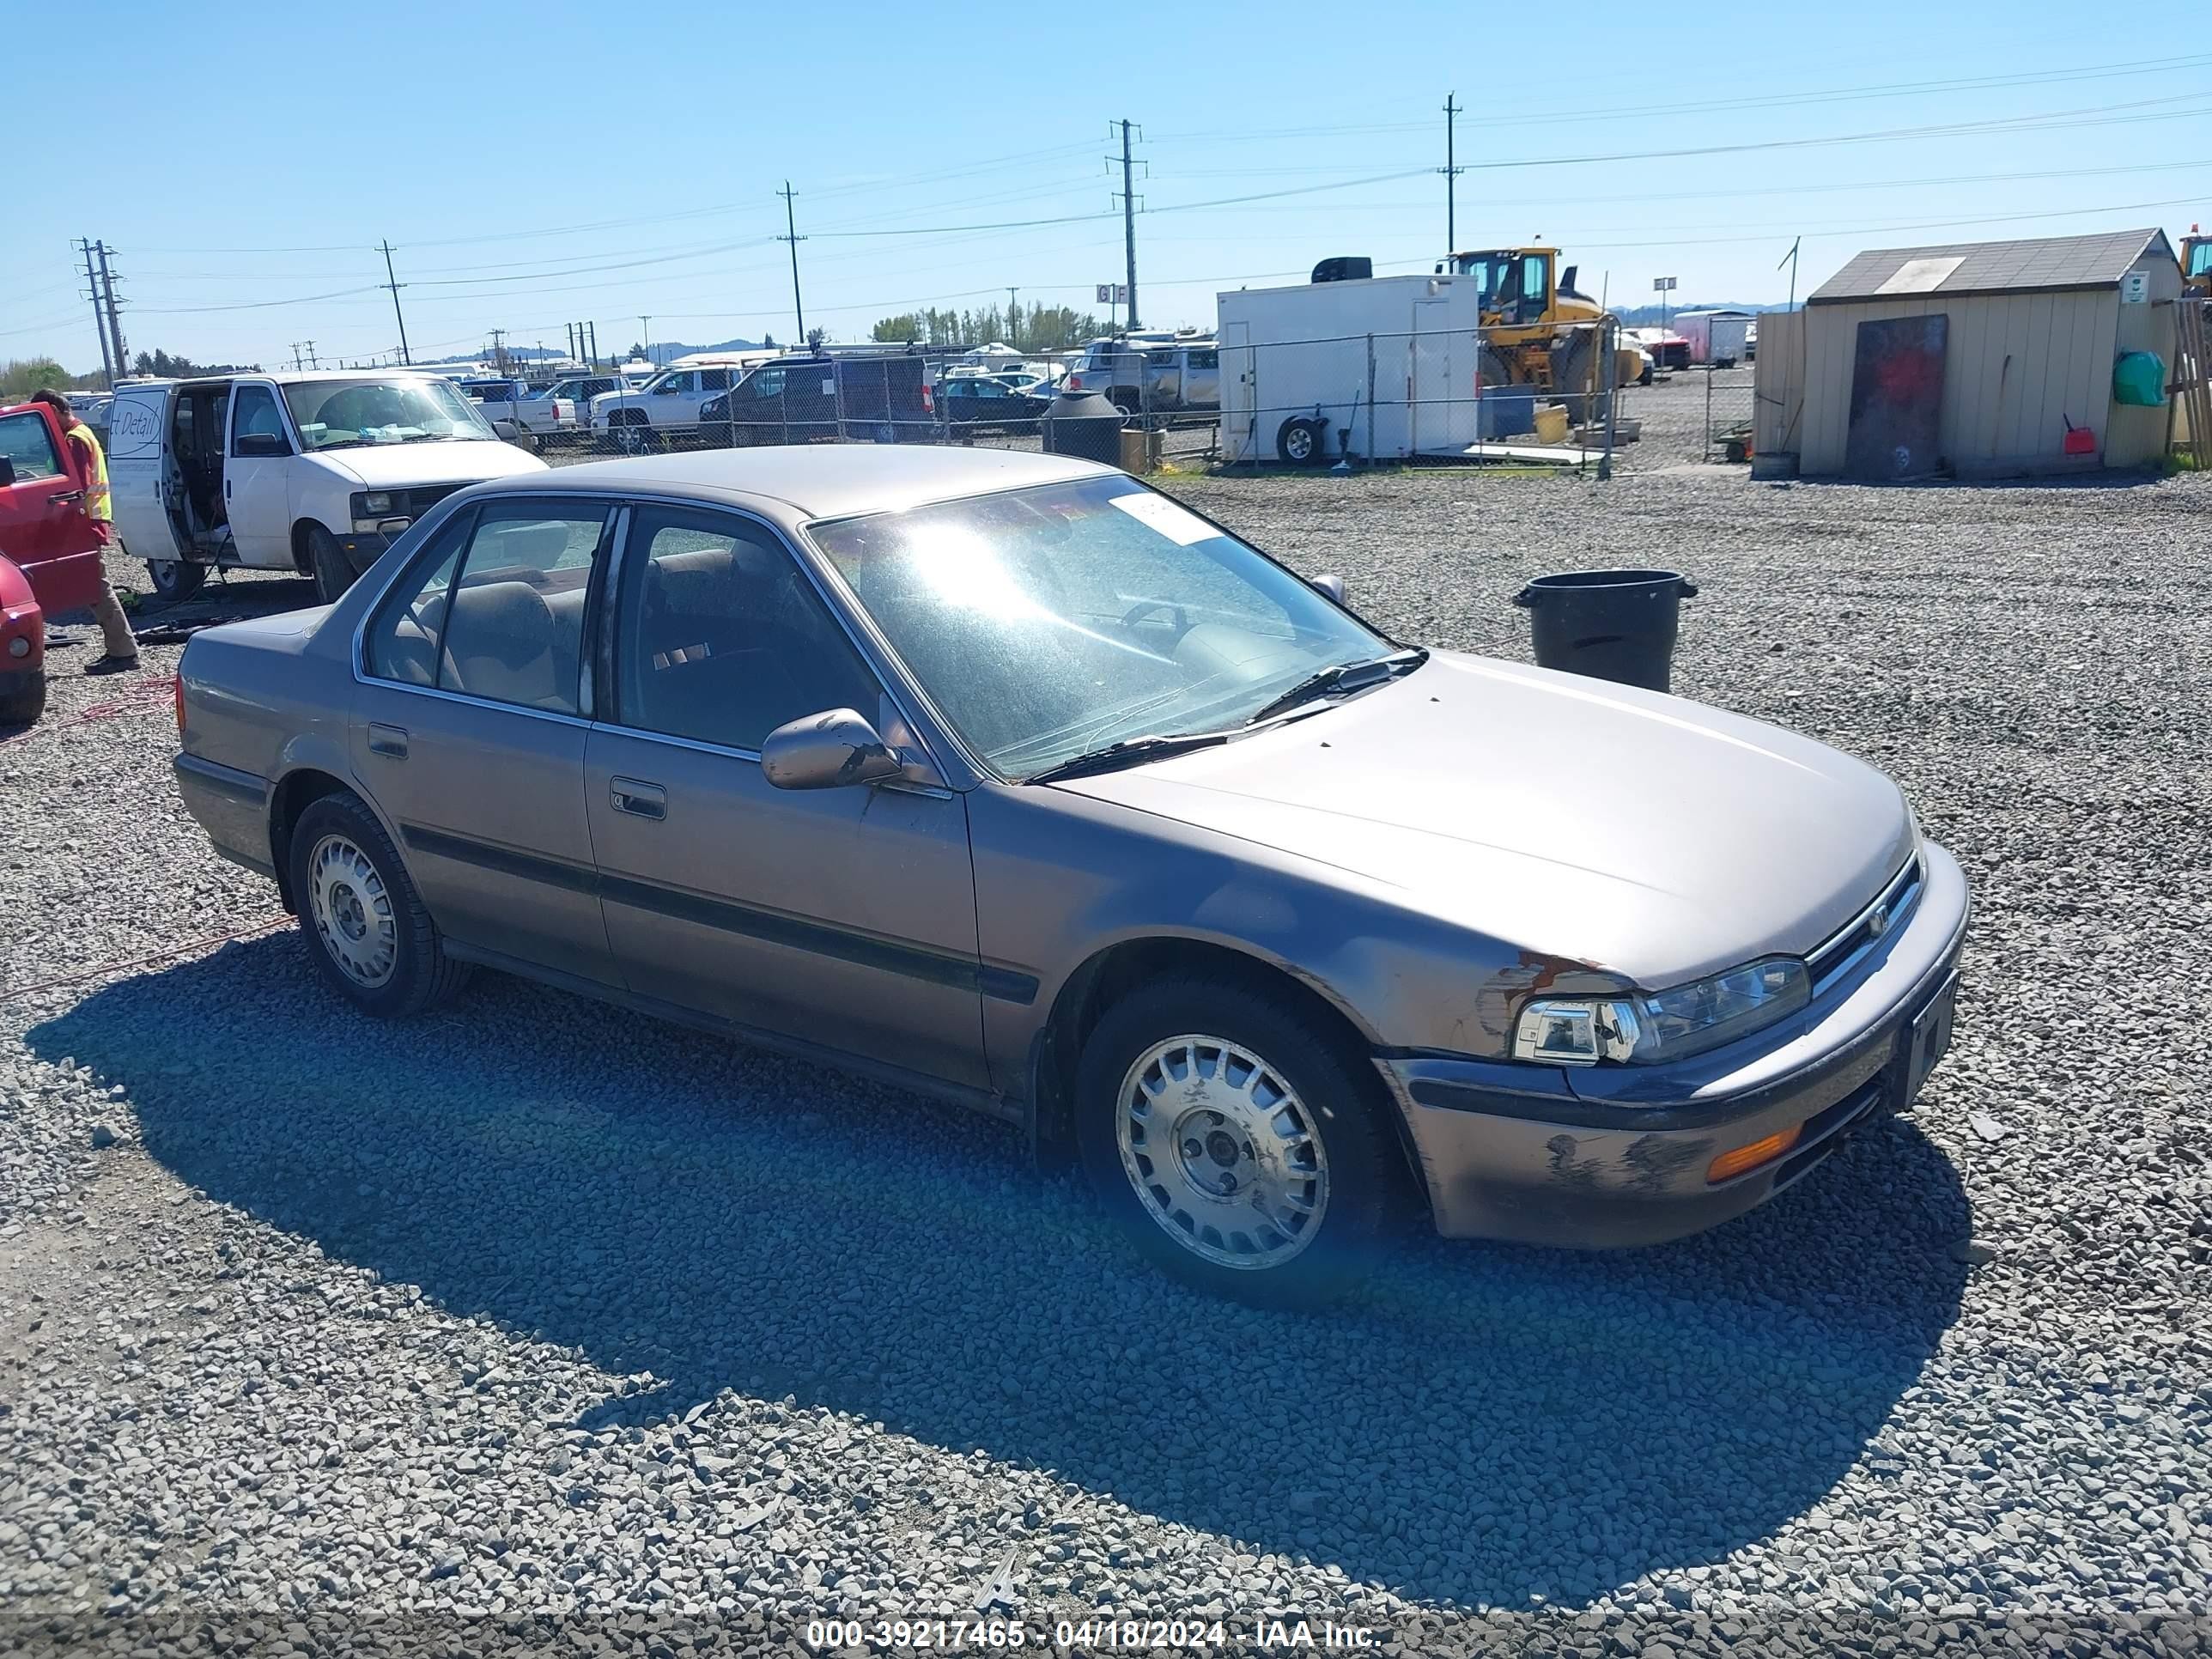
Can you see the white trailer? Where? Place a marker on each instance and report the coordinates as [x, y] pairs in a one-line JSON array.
[[1382, 368], [1719, 339]]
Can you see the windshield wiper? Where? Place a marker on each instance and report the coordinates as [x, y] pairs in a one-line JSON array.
[[1127, 751], [1341, 676]]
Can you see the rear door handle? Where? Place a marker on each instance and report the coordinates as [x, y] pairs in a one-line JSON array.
[[638, 799], [388, 740]]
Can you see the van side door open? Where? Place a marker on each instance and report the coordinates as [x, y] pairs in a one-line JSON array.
[[141, 471]]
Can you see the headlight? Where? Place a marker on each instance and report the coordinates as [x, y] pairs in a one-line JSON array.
[[1659, 1025], [377, 501]]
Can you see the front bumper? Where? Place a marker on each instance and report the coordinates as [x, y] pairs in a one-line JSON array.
[[1545, 1156]]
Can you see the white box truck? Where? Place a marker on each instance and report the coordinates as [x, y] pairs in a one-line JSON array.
[[1719, 339], [1379, 368]]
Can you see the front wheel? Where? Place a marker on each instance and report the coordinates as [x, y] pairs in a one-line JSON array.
[[365, 923], [327, 562], [1240, 1149], [23, 697], [176, 579]]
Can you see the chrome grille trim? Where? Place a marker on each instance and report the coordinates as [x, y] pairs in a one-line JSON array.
[[1845, 949]]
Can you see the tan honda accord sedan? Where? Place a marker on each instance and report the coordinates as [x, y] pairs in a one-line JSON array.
[[1007, 778]]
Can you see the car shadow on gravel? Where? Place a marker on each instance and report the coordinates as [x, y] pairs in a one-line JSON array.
[[1491, 1424]]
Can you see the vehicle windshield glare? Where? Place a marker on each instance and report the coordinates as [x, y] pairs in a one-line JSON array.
[[1050, 622], [333, 414]]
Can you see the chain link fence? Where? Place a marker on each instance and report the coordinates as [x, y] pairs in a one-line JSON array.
[[1583, 397]]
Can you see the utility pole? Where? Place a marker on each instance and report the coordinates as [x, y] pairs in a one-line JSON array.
[[311, 363], [395, 285], [1791, 259], [115, 321], [296, 363], [790, 235], [1451, 171], [645, 323], [1013, 320], [499, 351], [99, 317], [594, 329], [1129, 224]]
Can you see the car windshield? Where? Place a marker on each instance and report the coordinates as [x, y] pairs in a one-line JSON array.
[[1048, 623], [335, 414]]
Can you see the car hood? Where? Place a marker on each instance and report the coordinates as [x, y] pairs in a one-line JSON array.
[[1628, 830], [401, 466]]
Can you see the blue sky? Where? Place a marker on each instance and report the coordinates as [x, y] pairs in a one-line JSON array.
[[534, 164]]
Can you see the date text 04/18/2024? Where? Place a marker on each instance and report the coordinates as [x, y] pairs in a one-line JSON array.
[[1085, 1635]]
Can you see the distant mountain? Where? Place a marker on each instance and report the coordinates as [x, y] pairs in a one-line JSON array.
[[663, 351], [1648, 316]]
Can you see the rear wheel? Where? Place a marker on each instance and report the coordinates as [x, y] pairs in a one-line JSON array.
[[1238, 1147], [176, 579], [365, 923], [23, 697], [1572, 381], [327, 562]]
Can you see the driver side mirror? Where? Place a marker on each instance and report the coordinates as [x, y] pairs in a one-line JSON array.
[[827, 750], [263, 444], [1331, 584]]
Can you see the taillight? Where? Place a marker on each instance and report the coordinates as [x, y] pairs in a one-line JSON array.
[[1075, 383], [178, 683]]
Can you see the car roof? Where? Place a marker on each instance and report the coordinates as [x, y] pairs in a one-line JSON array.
[[818, 481]]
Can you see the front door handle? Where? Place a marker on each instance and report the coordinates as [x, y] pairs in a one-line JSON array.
[[637, 797], [388, 740]]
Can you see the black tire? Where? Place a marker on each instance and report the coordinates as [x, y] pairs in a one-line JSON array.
[[23, 697], [327, 562], [1343, 1106], [1571, 380], [420, 974], [1299, 441], [1645, 377], [176, 579]]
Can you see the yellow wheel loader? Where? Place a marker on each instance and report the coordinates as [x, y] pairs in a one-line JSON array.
[[1539, 331]]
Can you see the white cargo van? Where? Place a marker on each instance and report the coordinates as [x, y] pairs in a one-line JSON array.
[[312, 471]]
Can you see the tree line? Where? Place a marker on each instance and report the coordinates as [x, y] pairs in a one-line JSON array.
[[1033, 328]]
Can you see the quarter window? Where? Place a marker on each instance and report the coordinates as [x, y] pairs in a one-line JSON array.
[[723, 639]]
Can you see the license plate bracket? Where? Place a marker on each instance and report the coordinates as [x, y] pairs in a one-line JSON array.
[[1925, 1040]]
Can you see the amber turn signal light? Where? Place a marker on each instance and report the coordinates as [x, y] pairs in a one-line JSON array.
[[1728, 1164]]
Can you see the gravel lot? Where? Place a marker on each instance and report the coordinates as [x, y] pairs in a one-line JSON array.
[[535, 1324]]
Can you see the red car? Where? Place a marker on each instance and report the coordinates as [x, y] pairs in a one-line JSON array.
[[49, 551]]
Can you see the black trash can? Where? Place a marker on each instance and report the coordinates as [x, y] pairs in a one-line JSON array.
[[1611, 624], [1084, 424]]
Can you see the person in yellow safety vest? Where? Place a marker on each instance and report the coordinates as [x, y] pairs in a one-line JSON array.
[[114, 627]]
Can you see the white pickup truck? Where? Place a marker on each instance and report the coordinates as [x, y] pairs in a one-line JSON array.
[[519, 418], [667, 406]]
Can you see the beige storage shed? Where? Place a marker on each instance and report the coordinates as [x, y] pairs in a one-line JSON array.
[[2033, 330]]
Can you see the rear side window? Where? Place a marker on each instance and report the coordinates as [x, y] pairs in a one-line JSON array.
[[510, 627], [25, 440]]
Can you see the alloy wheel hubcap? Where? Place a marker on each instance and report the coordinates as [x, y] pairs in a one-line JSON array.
[[352, 912], [1221, 1151]]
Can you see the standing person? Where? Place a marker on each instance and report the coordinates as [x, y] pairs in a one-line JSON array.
[[114, 627]]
